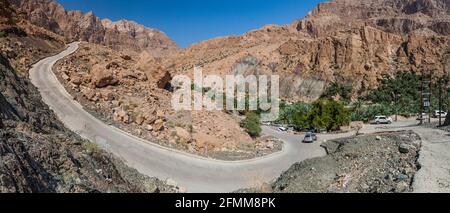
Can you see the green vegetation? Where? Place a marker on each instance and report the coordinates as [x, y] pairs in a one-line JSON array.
[[396, 95], [288, 112], [301, 119], [360, 112], [335, 89], [252, 124], [2, 34], [91, 147], [322, 114], [329, 114], [399, 94]]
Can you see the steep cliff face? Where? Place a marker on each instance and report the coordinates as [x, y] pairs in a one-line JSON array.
[[401, 16], [135, 36], [75, 25], [357, 42]]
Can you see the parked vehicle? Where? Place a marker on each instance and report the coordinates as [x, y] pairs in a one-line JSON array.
[[422, 117], [309, 138], [283, 129], [266, 123], [314, 136], [314, 130], [382, 120], [441, 114]]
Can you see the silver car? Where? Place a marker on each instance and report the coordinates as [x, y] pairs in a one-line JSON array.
[[309, 138]]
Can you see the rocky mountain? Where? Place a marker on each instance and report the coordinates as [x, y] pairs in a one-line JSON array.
[[37, 153], [401, 16], [76, 25], [350, 42], [357, 42]]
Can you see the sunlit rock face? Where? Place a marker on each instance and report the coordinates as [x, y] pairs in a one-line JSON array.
[[75, 25]]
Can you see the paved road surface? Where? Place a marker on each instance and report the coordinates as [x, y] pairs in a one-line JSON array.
[[194, 173]]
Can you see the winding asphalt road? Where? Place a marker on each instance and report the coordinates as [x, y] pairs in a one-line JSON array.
[[195, 174]]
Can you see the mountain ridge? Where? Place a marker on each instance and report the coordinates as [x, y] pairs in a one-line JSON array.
[[76, 25]]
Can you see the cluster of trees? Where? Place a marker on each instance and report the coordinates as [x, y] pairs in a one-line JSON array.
[[323, 114], [399, 94], [362, 112], [287, 112]]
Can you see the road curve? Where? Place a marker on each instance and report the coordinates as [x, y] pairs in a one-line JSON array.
[[194, 173], [198, 174]]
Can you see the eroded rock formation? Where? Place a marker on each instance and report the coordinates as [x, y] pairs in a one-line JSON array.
[[76, 25]]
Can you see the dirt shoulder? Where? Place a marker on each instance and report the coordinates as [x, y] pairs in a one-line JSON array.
[[434, 175], [378, 163]]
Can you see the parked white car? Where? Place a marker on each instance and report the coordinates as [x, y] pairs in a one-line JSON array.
[[382, 120], [283, 129], [266, 123], [441, 114]]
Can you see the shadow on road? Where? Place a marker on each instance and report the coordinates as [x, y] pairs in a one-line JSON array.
[[398, 127]]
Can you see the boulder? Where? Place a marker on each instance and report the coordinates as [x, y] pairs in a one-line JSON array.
[[65, 77], [102, 77], [107, 96], [149, 128], [404, 148], [163, 79], [139, 120], [183, 134], [204, 141], [77, 80], [158, 125]]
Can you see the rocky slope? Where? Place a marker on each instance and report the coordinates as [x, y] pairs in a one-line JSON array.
[[129, 90], [37, 153], [75, 25]]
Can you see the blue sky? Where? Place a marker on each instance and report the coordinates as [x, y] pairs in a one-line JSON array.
[[192, 21]]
